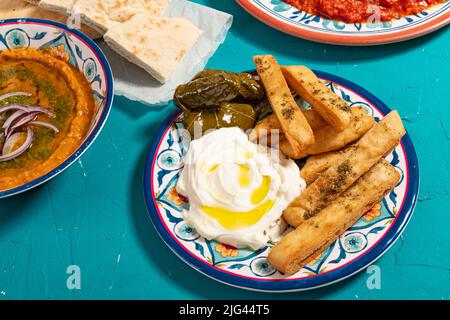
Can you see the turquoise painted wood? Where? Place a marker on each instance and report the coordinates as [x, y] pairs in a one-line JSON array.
[[93, 215]]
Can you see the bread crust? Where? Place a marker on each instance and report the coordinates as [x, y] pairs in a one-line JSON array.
[[329, 105], [294, 125], [297, 248], [347, 168]]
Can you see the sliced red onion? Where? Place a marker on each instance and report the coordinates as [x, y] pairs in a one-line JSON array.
[[25, 119], [27, 108], [45, 124], [13, 107], [12, 118], [24, 147], [14, 94], [11, 142], [20, 121]]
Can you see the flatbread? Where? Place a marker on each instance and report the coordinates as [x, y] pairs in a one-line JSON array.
[[35, 2], [295, 127], [123, 10], [349, 166], [159, 49], [264, 129], [93, 15], [317, 164], [60, 6], [311, 238], [334, 109], [328, 138], [90, 11], [11, 9], [104, 14]]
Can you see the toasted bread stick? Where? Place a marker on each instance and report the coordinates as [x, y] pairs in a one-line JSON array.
[[326, 137], [348, 167], [297, 248], [264, 130], [271, 123], [292, 121], [329, 105], [317, 164]]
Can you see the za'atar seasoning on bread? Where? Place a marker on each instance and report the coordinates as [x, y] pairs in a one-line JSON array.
[[347, 168]]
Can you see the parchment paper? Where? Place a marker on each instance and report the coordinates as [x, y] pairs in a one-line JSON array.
[[135, 84]]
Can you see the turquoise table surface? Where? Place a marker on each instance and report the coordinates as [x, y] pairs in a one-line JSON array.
[[93, 215]]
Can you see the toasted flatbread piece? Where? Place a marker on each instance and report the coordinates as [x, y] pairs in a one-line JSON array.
[[267, 124], [264, 128], [35, 2], [123, 10], [101, 14], [94, 14], [91, 12], [330, 139], [317, 164], [297, 248], [314, 119], [326, 137], [348, 167], [159, 49], [60, 6], [10, 9], [292, 121], [329, 105]]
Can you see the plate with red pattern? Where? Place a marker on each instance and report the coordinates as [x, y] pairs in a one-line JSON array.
[[374, 25]]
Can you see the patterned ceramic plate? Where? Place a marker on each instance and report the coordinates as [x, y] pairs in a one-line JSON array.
[[286, 18], [358, 247], [83, 54]]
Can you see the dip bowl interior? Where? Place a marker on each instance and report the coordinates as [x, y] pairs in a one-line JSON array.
[[81, 52]]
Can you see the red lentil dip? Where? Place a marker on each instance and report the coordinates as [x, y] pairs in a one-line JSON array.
[[354, 11]]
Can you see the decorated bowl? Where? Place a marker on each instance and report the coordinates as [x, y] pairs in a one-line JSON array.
[[84, 55]]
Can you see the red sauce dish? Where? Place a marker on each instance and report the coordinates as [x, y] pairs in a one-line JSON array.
[[354, 11]]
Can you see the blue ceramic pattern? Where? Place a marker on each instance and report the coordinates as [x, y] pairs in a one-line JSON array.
[[353, 244]]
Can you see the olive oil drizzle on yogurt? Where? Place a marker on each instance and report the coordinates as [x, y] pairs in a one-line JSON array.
[[230, 219]]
